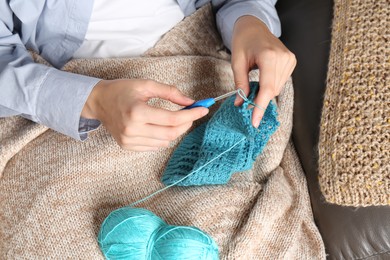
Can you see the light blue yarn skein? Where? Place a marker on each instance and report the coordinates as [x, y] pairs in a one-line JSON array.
[[135, 233]]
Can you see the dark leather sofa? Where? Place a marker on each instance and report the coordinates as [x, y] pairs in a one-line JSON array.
[[348, 232]]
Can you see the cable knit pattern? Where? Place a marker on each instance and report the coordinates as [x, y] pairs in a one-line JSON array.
[[228, 126]]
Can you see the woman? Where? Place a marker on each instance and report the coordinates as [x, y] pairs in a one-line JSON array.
[[75, 104]]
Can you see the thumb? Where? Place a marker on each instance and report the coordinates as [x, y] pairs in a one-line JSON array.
[[241, 79], [170, 93]]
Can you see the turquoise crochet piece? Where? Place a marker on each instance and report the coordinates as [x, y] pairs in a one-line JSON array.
[[227, 127]]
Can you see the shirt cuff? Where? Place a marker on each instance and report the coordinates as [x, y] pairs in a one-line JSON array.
[[227, 16], [60, 101], [87, 125]]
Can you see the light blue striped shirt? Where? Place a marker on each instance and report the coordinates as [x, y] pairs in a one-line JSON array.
[[56, 29]]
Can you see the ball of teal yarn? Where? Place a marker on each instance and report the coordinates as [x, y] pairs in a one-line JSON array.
[[135, 233]]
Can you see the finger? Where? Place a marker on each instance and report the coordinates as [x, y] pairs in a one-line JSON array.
[[262, 100], [168, 92], [158, 116], [240, 69], [287, 71], [267, 80], [167, 133], [284, 79]]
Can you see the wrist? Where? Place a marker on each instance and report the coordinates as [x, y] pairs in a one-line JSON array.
[[91, 106], [249, 22]]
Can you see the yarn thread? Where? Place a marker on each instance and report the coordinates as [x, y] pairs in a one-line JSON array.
[[173, 184], [118, 245], [228, 126], [135, 233], [241, 93]]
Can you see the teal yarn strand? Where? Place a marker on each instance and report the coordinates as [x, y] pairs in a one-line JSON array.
[[133, 233], [136, 233], [188, 175]]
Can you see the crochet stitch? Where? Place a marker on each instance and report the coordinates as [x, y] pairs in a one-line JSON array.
[[228, 126]]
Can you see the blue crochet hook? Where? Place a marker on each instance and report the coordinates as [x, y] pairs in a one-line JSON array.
[[208, 102]]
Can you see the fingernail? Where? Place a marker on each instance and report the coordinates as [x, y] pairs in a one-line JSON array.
[[205, 111], [189, 99], [256, 122], [237, 102]]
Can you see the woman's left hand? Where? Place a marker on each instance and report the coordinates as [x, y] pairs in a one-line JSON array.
[[254, 45]]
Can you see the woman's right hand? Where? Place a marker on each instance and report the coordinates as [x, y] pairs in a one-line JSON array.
[[121, 105]]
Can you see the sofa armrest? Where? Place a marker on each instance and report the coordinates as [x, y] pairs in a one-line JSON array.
[[348, 232]]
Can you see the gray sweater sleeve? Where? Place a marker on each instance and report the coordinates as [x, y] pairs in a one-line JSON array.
[[227, 13], [40, 93]]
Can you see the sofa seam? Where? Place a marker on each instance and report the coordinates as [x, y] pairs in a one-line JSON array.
[[376, 254]]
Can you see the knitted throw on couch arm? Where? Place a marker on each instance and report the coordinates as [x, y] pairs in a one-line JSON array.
[[198, 152], [354, 144]]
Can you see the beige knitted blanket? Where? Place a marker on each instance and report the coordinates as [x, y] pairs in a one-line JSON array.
[[55, 191], [354, 147]]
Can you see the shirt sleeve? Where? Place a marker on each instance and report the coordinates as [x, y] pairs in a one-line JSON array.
[[230, 11], [40, 93]]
